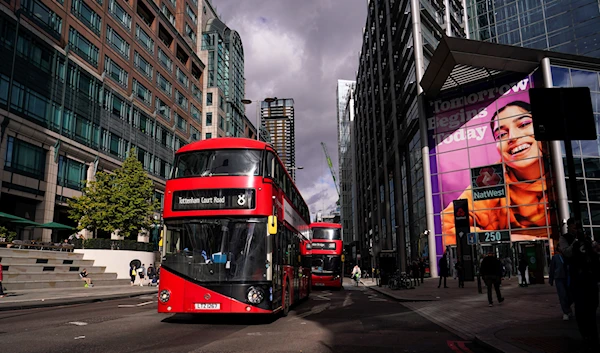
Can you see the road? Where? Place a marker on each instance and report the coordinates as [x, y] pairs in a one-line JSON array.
[[350, 320]]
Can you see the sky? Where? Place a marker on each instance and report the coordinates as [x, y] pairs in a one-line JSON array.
[[299, 49]]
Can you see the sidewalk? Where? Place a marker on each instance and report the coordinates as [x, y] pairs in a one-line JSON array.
[[529, 320], [37, 298]]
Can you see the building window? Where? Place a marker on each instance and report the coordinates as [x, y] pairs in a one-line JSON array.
[[83, 47], [144, 39], [71, 174], [190, 33], [143, 123], [195, 112], [208, 119], [208, 135], [164, 84], [142, 92], [25, 158], [182, 78], [168, 14], [115, 72], [194, 134], [142, 65], [164, 60], [120, 14], [221, 103], [86, 15], [197, 93], [43, 16], [209, 98], [181, 100], [117, 42], [181, 123], [163, 109], [114, 145], [221, 123], [191, 14]]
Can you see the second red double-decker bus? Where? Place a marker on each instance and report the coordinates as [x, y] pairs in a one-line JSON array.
[[235, 224], [327, 258]]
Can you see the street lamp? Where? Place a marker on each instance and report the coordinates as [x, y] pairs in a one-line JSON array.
[[250, 101]]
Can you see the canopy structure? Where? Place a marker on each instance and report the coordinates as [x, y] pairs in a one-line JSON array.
[[55, 225], [18, 220]]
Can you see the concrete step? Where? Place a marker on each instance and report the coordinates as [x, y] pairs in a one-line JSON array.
[[39, 254], [53, 276], [20, 285], [7, 261], [44, 268]]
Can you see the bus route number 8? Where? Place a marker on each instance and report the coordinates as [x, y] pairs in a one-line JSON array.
[[493, 236]]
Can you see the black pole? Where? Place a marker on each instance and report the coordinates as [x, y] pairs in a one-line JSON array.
[[576, 208]]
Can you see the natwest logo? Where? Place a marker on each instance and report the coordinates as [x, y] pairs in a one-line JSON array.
[[488, 177]]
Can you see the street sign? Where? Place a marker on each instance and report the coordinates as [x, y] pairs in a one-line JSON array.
[[472, 238]]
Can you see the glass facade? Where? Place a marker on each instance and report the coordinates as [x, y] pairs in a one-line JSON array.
[[568, 26]]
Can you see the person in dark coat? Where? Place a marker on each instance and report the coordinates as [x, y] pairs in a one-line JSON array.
[[422, 269], [443, 270], [523, 270], [460, 273], [491, 270]]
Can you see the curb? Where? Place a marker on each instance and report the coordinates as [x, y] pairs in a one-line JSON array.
[[401, 299], [64, 302]]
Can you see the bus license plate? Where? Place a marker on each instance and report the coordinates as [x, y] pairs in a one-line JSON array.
[[208, 306], [320, 284]]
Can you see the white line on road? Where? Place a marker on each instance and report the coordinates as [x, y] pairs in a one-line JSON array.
[[348, 301], [79, 337], [134, 305], [78, 323], [144, 303], [324, 296]]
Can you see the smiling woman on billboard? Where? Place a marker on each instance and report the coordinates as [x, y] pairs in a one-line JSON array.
[[510, 195]]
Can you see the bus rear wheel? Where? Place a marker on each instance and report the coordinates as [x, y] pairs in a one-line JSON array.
[[286, 299]]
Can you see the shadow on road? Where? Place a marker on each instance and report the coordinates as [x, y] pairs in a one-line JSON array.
[[227, 319]]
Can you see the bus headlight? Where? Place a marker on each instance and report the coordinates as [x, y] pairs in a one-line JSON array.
[[164, 295], [255, 295]]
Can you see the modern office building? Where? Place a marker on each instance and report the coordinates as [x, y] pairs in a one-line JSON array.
[[345, 117], [87, 81], [398, 41], [566, 26], [222, 50], [419, 147], [278, 119]]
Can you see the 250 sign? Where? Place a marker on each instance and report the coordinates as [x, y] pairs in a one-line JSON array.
[[493, 236]]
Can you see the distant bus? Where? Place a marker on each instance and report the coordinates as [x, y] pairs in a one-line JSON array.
[[327, 260], [234, 224]]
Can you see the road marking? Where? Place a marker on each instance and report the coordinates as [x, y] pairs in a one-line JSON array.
[[315, 310], [135, 305], [254, 334], [459, 346], [144, 303], [374, 298], [324, 296], [78, 323], [79, 337], [348, 301]]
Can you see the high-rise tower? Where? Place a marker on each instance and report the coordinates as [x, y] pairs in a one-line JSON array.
[[278, 118]]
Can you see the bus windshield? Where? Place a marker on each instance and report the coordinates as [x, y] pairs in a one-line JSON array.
[[326, 264], [218, 250], [217, 163], [327, 233]]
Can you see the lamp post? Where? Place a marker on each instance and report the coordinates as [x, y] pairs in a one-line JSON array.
[[258, 120]]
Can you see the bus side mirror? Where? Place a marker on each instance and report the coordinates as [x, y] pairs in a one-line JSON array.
[[272, 225]]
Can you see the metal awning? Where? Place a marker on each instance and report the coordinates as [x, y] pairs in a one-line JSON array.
[[459, 61]]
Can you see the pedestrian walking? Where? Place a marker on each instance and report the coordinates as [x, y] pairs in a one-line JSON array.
[[1, 287], [460, 273], [491, 270], [508, 266], [142, 274], [584, 274], [523, 270], [132, 273], [443, 263], [415, 272], [559, 275], [151, 272], [422, 269]]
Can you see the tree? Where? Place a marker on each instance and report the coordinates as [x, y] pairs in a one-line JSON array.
[[120, 201]]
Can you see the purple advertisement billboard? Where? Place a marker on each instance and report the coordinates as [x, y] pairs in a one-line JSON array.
[[482, 149]]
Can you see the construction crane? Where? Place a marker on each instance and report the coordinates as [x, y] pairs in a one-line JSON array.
[[337, 188]]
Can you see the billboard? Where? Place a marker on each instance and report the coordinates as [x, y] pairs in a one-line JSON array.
[[483, 149]]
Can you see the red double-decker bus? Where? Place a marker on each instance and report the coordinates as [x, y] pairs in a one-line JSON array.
[[327, 259], [234, 225]]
